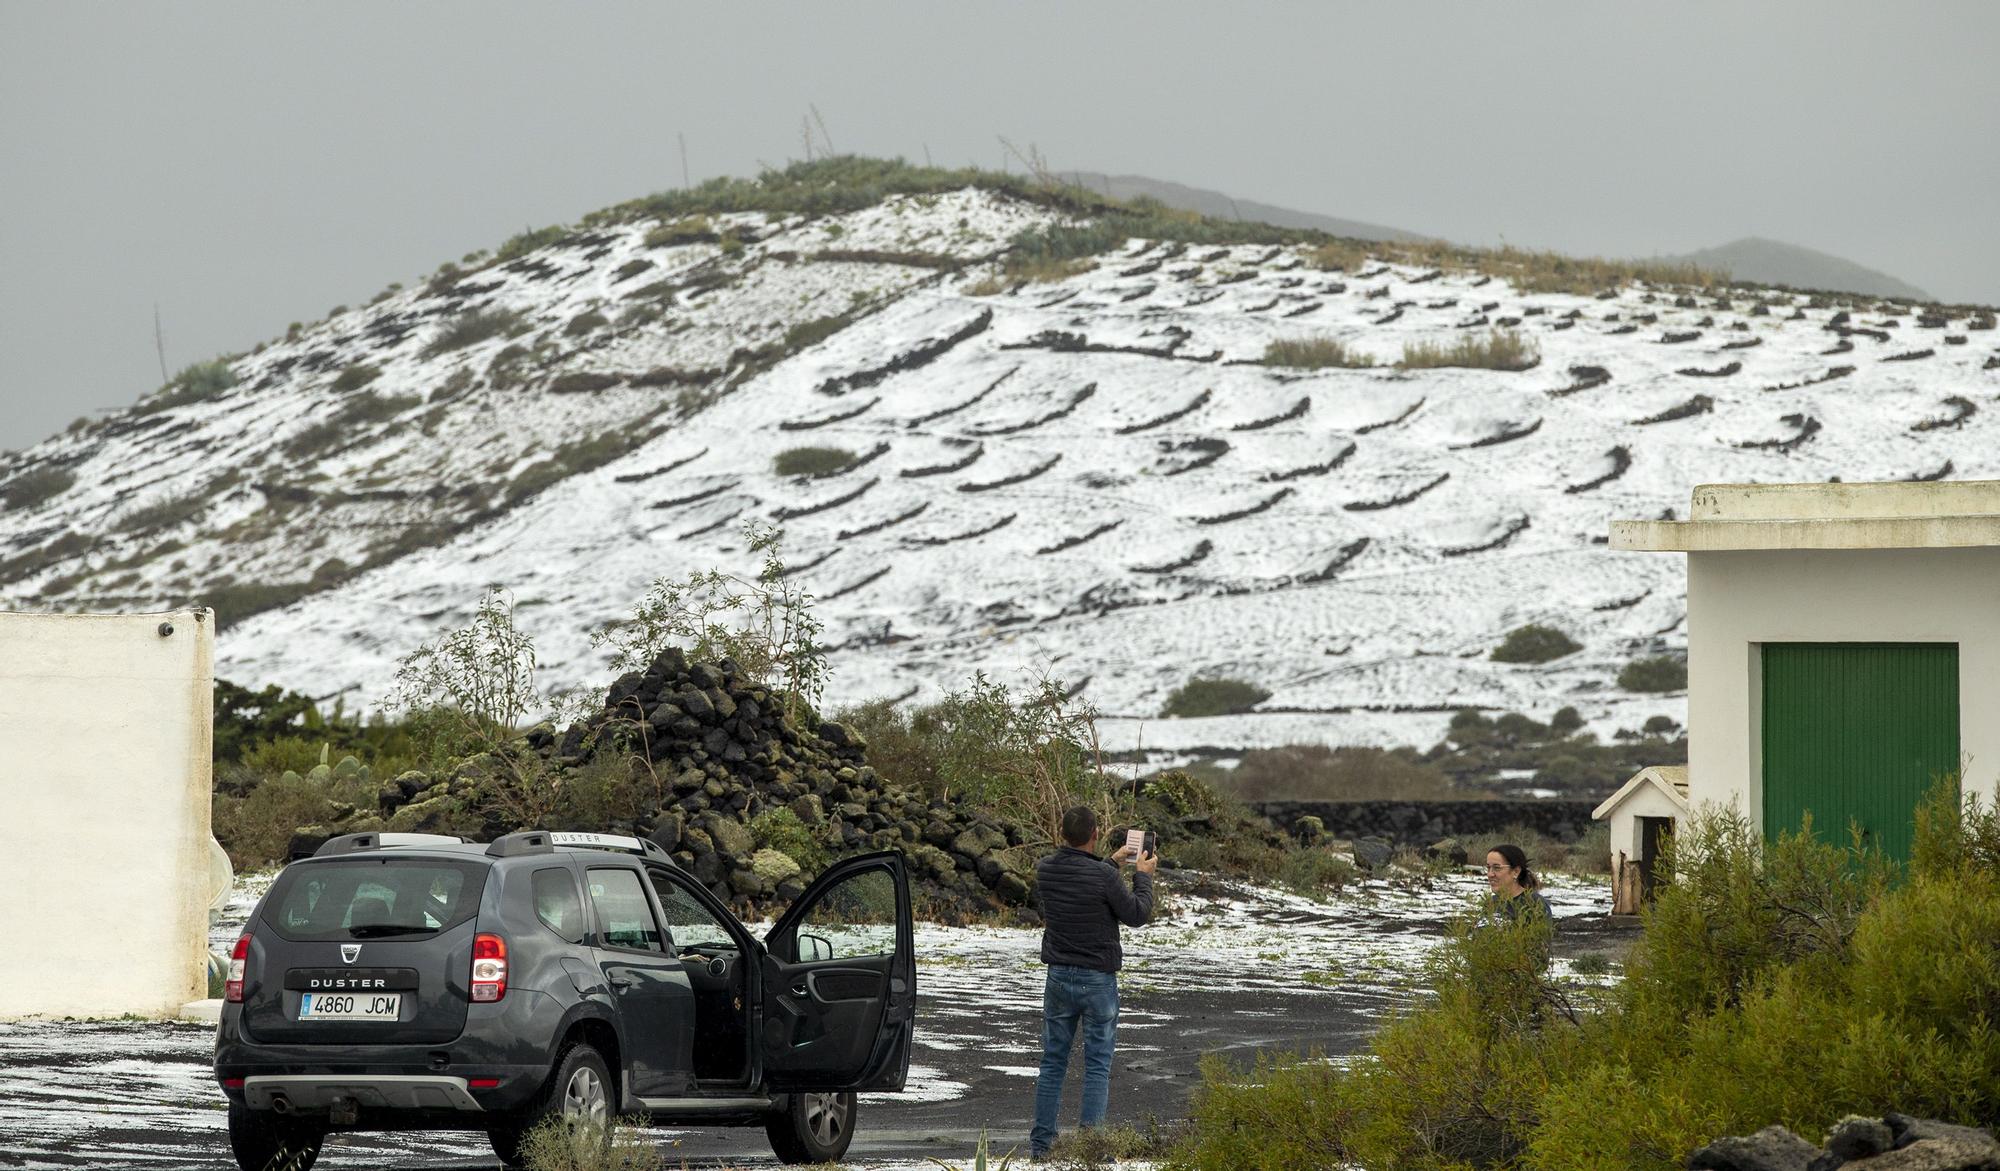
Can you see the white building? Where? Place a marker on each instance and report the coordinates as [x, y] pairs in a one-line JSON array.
[[1843, 656]]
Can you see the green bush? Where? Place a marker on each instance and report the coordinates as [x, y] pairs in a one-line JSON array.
[[530, 240], [1213, 697], [1790, 981], [780, 829], [1534, 644], [257, 829], [1657, 673], [1313, 353], [811, 461], [199, 383], [36, 486], [356, 376], [472, 328], [1498, 350], [693, 229], [1029, 756]]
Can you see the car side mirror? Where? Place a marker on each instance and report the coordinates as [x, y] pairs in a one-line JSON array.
[[814, 948]]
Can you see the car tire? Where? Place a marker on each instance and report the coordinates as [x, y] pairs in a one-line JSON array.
[[263, 1140], [812, 1128], [580, 1086]]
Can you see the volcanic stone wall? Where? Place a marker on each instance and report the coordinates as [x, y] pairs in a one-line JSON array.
[[1419, 823]]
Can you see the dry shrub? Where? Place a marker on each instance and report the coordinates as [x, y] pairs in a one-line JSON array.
[[1500, 349], [1341, 255], [1313, 353]]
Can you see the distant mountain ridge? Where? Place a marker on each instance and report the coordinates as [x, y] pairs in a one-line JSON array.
[[1228, 207], [1773, 262], [1751, 259]]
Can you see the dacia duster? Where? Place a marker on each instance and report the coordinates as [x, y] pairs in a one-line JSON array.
[[414, 981]]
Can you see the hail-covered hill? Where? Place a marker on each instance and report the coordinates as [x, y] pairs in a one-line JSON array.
[[1096, 475]]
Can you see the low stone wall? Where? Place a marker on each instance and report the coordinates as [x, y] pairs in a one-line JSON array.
[[1419, 823]]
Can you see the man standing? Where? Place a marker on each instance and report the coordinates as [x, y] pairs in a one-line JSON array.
[[1083, 902]]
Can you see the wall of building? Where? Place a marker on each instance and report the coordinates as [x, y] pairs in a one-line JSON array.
[[105, 727], [1742, 599]]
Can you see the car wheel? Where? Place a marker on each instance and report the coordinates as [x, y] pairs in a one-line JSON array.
[[263, 1140], [812, 1128], [580, 1088]]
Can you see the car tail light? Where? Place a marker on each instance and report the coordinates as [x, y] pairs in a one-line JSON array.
[[232, 1083], [232, 988], [489, 967], [481, 1083]]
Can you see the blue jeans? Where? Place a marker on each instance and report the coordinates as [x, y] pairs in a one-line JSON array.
[[1073, 996]]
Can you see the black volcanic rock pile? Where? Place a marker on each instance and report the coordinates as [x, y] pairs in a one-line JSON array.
[[726, 752]]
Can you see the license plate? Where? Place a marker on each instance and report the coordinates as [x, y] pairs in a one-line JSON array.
[[350, 1006]]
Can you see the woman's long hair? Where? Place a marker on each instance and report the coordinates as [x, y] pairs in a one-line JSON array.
[[1516, 858]]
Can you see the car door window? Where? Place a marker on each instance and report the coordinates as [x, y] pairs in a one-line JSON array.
[[689, 922], [623, 913], [853, 919], [556, 904]]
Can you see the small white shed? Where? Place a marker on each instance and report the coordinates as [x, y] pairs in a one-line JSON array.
[[1643, 811]]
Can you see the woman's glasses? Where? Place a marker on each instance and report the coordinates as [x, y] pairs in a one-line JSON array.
[[1492, 868]]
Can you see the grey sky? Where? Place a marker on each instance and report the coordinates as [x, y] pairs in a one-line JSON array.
[[250, 164]]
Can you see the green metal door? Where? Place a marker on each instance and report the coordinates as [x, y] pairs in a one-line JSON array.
[[1857, 732]]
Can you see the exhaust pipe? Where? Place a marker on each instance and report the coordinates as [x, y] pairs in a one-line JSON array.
[[281, 1104]]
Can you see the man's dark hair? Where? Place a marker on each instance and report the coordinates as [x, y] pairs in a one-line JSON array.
[[1079, 825]]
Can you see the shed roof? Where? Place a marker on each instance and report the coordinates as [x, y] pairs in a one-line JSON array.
[[1670, 779], [1961, 514]]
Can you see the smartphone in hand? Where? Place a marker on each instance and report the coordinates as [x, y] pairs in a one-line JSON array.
[[1137, 841]]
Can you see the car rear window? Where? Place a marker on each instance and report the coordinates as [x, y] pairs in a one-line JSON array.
[[373, 898]]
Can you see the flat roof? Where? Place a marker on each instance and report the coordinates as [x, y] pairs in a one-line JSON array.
[[1942, 515]]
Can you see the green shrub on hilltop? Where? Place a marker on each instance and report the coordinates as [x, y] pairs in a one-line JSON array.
[[1792, 981], [530, 240], [202, 382], [1213, 697]]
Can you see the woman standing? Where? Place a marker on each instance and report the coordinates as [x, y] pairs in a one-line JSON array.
[[1517, 896]]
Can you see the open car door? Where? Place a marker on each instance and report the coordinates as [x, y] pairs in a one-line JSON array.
[[840, 982]]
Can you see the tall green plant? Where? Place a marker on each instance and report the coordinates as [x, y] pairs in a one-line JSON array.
[[764, 624], [467, 692]]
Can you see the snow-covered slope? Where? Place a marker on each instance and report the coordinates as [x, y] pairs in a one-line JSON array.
[[1092, 477]]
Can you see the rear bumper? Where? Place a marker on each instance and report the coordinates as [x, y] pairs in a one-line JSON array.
[[312, 1093]]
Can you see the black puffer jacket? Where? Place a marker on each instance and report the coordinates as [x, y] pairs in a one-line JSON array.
[[1083, 902]]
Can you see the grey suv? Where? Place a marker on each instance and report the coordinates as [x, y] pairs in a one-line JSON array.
[[412, 981]]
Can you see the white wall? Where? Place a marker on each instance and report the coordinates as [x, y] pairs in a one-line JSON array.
[[1738, 600], [105, 729]]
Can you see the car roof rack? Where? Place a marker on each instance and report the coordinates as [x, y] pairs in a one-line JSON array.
[[536, 841], [350, 843]]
